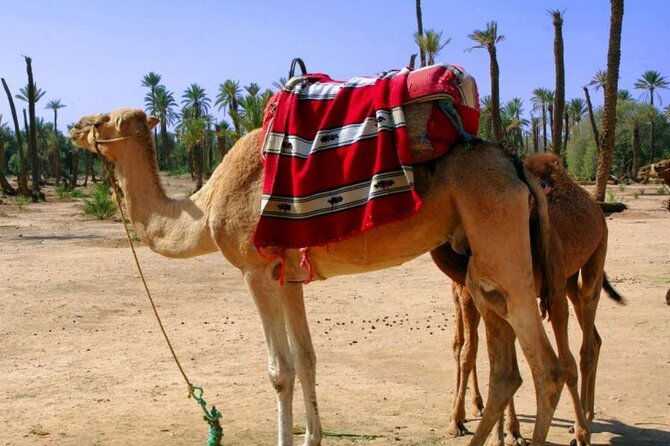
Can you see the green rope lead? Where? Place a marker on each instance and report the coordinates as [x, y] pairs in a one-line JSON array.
[[211, 417]]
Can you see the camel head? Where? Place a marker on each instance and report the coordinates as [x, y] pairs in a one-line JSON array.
[[110, 130], [543, 165]]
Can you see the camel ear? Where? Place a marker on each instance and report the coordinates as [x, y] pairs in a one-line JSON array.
[[152, 121]]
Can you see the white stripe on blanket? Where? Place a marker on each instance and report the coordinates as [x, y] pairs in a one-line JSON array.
[[339, 199]]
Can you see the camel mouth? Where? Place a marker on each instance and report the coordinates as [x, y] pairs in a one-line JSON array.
[[79, 133]]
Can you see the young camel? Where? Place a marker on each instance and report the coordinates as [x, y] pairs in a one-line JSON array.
[[492, 212], [582, 251]]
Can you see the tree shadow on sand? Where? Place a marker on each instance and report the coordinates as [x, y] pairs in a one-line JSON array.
[[643, 434]]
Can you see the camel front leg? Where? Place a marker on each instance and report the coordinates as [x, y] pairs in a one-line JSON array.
[[456, 425], [266, 294], [304, 358]]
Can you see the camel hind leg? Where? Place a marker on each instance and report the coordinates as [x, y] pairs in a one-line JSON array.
[[589, 295]]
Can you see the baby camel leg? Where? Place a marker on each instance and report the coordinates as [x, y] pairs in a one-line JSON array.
[[559, 323], [465, 353], [304, 358], [266, 294]]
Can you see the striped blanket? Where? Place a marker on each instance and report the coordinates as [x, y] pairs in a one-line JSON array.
[[337, 157]]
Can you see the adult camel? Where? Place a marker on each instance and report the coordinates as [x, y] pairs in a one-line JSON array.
[[491, 211], [584, 251]]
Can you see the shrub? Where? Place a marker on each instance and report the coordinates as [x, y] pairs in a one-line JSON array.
[[100, 205], [21, 201]]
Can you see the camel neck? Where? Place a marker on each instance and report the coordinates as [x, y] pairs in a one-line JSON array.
[[172, 227]]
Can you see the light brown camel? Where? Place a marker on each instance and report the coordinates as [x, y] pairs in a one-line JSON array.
[[491, 211], [660, 170], [570, 207]]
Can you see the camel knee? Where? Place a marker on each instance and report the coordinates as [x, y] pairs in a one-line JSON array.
[[282, 378], [507, 381], [468, 355], [569, 369]]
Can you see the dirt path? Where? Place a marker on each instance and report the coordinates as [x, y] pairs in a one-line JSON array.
[[82, 361]]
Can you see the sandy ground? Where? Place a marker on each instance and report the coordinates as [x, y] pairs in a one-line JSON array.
[[82, 361]]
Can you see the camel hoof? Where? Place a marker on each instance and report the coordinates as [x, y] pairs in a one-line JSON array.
[[515, 439], [478, 411], [458, 429]]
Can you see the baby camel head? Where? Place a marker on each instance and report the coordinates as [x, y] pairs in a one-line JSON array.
[[110, 130], [543, 165]]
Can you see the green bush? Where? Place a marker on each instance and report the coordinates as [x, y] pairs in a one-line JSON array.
[[100, 205], [21, 201]]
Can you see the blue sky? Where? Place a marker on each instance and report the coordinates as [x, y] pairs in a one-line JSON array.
[[93, 55]]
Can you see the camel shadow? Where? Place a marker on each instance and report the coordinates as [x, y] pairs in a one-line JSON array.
[[623, 434]]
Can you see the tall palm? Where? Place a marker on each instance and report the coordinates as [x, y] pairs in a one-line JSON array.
[[485, 118], [164, 105], [599, 80], [195, 122], [195, 101], [574, 111], [32, 94], [22, 179], [592, 118], [253, 89], [251, 110], [55, 105], [5, 187], [151, 80], [431, 44], [228, 98], [624, 95], [651, 81], [488, 38], [419, 33], [540, 100], [514, 122], [535, 125], [559, 95], [38, 94], [225, 137], [609, 110]]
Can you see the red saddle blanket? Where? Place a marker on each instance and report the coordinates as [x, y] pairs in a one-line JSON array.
[[337, 158]]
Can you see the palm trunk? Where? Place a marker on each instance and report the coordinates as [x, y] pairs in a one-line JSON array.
[[611, 86], [636, 151], [75, 168], [165, 144], [592, 118], [198, 165], [559, 95], [567, 132], [544, 127], [419, 26], [22, 179], [495, 95], [32, 136], [536, 138], [56, 160], [550, 110], [6, 188], [652, 133]]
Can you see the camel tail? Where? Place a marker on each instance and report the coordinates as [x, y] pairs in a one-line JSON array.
[[540, 237], [611, 292]]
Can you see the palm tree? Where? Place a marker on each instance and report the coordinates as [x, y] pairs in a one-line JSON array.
[[55, 105], [22, 179], [514, 123], [488, 38], [419, 33], [228, 99], [485, 118], [599, 80], [195, 123], [39, 93], [5, 187], [535, 124], [151, 80], [541, 99], [32, 94], [192, 132], [225, 137], [559, 96], [609, 110], [430, 44], [252, 107], [624, 95], [164, 103], [278, 84], [575, 109], [651, 81]]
